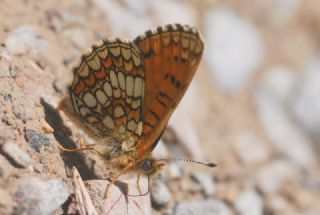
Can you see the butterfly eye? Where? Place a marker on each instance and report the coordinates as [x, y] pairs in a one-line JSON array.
[[146, 165]]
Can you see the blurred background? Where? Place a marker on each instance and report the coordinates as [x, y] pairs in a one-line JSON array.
[[253, 107]]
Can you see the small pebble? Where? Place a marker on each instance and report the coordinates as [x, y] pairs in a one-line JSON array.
[[23, 39], [174, 171], [46, 128], [272, 177], [41, 196], [38, 167], [279, 125], [160, 195], [16, 155], [6, 169], [206, 207], [249, 203], [36, 140], [250, 148], [233, 35], [13, 72], [206, 183], [306, 105]]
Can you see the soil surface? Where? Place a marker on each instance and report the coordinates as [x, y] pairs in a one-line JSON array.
[[252, 108]]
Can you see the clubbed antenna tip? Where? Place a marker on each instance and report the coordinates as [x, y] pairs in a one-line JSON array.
[[211, 165]]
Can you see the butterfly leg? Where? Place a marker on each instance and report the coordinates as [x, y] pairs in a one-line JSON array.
[[86, 147], [114, 179], [138, 186], [148, 191]]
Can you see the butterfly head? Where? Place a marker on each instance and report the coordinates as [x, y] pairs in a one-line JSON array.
[[149, 166]]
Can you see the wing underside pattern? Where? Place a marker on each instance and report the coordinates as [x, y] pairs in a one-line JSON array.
[[108, 89]]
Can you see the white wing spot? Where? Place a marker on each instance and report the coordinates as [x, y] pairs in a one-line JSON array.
[[107, 89], [89, 99], [108, 122], [101, 97], [129, 85], [118, 112]]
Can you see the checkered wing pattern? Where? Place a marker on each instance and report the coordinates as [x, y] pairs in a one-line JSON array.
[[107, 91]]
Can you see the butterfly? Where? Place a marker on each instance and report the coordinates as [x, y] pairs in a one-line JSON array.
[[124, 92]]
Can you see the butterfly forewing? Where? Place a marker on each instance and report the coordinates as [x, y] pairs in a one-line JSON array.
[[107, 92], [171, 56]]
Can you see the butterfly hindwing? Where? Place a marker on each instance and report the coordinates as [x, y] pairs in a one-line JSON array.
[[107, 92]]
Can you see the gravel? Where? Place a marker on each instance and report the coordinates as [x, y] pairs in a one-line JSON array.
[[206, 183], [36, 139], [160, 194], [249, 203], [205, 207], [18, 157], [40, 196]]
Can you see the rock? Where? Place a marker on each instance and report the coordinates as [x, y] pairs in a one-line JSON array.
[[206, 183], [96, 190], [187, 136], [179, 13], [16, 155], [234, 49], [6, 56], [60, 20], [286, 137], [160, 194], [281, 10], [39, 196], [118, 201], [77, 36], [126, 19], [250, 148], [307, 105], [174, 171], [138, 6], [13, 72], [36, 140], [24, 39], [280, 83], [205, 207], [272, 177], [279, 205], [249, 203], [6, 203], [38, 167], [5, 167]]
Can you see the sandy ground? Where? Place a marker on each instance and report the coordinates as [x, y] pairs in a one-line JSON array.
[[253, 108]]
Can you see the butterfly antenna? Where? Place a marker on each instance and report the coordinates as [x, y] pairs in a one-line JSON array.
[[190, 161]]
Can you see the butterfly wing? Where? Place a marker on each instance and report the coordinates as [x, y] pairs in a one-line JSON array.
[[172, 54], [107, 92]]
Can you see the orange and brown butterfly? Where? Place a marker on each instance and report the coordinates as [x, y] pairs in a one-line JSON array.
[[124, 92]]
